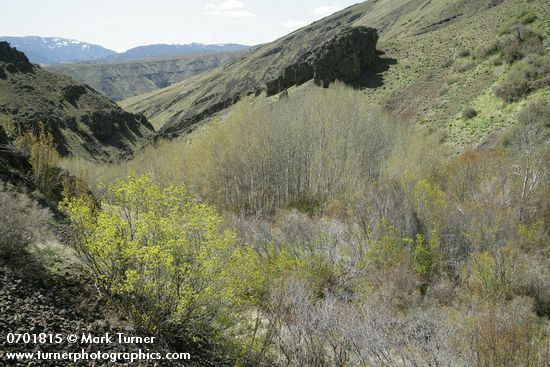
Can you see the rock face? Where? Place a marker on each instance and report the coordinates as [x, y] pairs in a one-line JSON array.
[[13, 60], [344, 57]]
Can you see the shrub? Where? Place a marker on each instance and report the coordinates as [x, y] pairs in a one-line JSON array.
[[464, 65], [495, 277], [44, 158], [486, 50], [469, 113], [164, 259], [524, 77], [500, 334], [512, 89], [464, 53], [536, 112], [521, 42], [22, 221]]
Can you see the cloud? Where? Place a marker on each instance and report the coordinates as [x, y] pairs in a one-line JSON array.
[[229, 9], [319, 12]]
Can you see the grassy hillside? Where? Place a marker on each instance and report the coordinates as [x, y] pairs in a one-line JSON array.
[[246, 76], [428, 74], [124, 79]]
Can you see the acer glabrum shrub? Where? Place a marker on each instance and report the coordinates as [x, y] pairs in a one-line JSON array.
[[164, 258]]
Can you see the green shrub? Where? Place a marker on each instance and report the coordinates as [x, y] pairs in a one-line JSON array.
[[498, 276], [469, 113], [44, 158], [524, 77]]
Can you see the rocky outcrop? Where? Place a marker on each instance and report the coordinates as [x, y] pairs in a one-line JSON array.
[[71, 93], [344, 57], [13, 60]]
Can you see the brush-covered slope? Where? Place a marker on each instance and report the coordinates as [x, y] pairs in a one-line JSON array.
[[82, 121], [121, 80], [428, 72], [452, 60]]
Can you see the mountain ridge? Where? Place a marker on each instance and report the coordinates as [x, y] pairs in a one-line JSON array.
[[46, 50], [59, 50]]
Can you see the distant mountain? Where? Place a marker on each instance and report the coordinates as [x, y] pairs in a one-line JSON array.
[[123, 79], [54, 50], [161, 50]]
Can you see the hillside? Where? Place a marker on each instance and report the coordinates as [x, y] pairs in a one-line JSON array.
[[120, 80], [53, 50], [420, 41], [83, 122], [163, 50]]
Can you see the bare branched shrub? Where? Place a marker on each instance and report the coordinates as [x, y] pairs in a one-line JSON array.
[[298, 152], [22, 221], [499, 334]]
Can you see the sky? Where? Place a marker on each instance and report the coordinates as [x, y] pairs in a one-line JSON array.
[[123, 24]]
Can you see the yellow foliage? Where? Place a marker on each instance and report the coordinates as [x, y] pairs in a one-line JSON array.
[[164, 256]]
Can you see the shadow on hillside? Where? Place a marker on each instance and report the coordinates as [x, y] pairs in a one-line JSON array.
[[374, 76]]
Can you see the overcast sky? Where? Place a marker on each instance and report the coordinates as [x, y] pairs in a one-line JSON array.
[[123, 24]]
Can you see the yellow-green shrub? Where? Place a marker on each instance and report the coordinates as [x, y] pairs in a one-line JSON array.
[[164, 258], [44, 157]]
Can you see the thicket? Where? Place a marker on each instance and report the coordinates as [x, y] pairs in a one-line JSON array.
[[299, 152], [377, 246]]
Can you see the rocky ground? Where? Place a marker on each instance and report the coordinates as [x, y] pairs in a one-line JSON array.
[[33, 302]]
